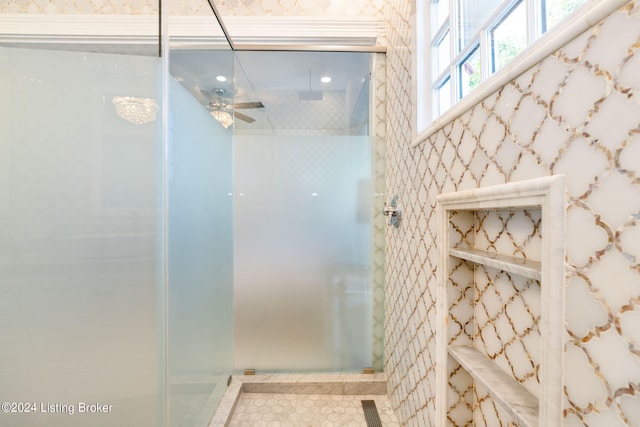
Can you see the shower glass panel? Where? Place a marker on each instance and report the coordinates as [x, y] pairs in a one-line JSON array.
[[303, 213], [200, 222], [80, 236]]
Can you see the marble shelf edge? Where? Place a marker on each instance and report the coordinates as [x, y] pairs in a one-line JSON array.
[[517, 400], [522, 267]]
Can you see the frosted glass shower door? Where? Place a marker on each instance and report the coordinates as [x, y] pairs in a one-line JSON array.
[[200, 217], [303, 282], [80, 240], [303, 213], [200, 259]]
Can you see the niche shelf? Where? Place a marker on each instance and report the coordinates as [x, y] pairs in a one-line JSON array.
[[517, 400], [510, 264], [467, 365]]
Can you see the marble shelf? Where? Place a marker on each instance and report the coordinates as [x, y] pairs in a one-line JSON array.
[[522, 267], [518, 401]]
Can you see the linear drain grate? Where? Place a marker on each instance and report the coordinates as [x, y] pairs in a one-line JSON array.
[[371, 413]]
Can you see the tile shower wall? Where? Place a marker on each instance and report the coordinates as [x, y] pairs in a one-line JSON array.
[[373, 8], [577, 112], [378, 131], [130, 7], [302, 8]]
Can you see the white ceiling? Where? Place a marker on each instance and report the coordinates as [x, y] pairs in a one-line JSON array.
[[275, 78]]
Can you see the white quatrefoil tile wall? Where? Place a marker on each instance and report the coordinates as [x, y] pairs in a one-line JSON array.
[[576, 113]]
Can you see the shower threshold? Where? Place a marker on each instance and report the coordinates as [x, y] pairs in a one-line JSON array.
[[304, 399]]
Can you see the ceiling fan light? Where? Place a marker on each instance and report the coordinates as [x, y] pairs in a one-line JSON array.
[[136, 110], [223, 117]]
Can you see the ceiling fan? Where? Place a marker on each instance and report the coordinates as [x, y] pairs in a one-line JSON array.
[[219, 106]]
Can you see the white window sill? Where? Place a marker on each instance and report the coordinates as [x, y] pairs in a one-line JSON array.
[[553, 40]]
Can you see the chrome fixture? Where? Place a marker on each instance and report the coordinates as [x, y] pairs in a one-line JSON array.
[[393, 212]]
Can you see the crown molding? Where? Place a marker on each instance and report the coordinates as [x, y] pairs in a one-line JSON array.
[[191, 31], [111, 29], [306, 30]]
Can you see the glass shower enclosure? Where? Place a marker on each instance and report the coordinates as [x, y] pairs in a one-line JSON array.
[[81, 279], [115, 243], [304, 213], [172, 212], [200, 222]]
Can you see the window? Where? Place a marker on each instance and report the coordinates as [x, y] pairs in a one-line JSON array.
[[469, 72], [443, 96], [509, 37], [469, 40]]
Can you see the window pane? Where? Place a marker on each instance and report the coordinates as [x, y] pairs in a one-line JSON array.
[[443, 54], [470, 72], [473, 14], [443, 97], [441, 13], [509, 37], [556, 10]]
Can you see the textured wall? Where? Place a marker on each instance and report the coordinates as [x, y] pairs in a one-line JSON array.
[[577, 113], [378, 132], [302, 8], [373, 8], [120, 7]]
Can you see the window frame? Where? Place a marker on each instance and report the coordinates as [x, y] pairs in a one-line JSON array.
[[541, 41], [469, 53], [480, 40]]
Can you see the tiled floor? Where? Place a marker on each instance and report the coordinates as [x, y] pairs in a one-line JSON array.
[[192, 399], [273, 409]]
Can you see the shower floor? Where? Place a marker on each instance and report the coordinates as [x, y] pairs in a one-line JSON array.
[[303, 400], [274, 409], [193, 398]]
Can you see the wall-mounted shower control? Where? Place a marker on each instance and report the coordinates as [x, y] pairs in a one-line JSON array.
[[393, 212]]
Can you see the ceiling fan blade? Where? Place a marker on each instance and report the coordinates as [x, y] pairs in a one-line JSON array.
[[199, 96], [243, 117], [207, 94], [247, 105]]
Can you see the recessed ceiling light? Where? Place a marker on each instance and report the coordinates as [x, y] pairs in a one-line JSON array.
[[221, 78], [325, 79]]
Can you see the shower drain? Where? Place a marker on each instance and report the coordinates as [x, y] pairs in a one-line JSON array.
[[371, 413]]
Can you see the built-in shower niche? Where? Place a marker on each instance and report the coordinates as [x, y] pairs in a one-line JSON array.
[[500, 305]]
